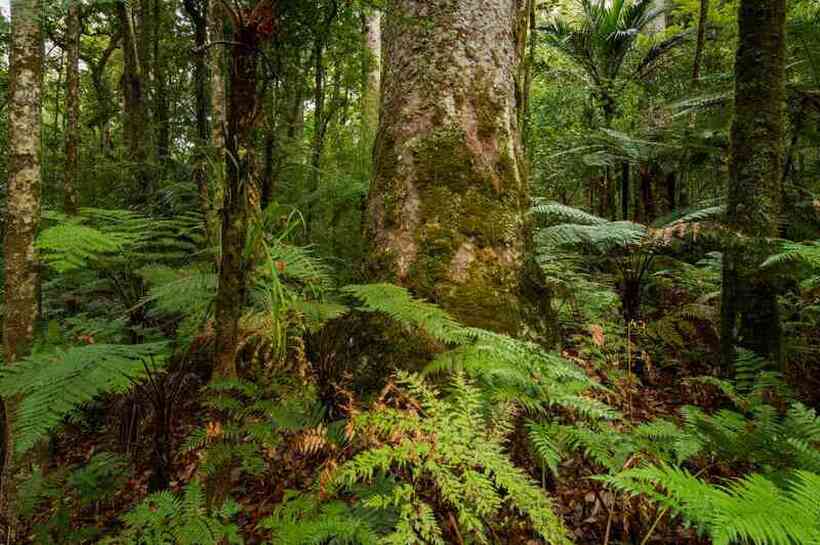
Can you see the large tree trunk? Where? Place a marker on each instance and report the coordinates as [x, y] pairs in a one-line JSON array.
[[71, 194], [22, 218], [749, 313], [447, 202], [242, 106]]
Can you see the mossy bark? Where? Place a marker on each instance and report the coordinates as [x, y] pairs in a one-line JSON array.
[[22, 219], [749, 313], [446, 210], [242, 110]]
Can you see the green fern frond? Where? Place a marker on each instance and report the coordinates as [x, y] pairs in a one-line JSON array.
[[52, 386], [398, 304], [555, 213], [750, 510]]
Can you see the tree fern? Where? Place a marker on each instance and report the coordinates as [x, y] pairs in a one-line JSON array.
[[54, 385]]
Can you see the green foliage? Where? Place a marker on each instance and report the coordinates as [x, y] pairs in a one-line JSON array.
[[100, 238], [167, 519], [753, 509], [303, 519], [397, 303], [249, 420], [450, 444], [54, 385], [51, 501], [508, 370]]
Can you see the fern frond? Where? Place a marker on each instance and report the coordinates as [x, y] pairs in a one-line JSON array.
[[54, 385]]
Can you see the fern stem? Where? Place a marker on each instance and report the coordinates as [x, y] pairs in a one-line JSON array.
[[654, 525]]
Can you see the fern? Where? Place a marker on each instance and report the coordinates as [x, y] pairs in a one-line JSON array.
[[166, 519], [750, 510], [398, 304], [303, 519], [54, 385], [447, 442]]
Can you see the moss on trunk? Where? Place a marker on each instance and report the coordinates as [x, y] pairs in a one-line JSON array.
[[449, 195], [749, 302]]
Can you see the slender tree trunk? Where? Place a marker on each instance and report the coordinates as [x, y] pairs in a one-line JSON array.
[[749, 313], [268, 167], [703, 21], [318, 146], [136, 132], [71, 194], [161, 109], [242, 107], [22, 218], [197, 12], [626, 192], [447, 202], [372, 93], [218, 110]]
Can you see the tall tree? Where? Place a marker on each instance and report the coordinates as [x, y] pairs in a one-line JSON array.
[[71, 194], [321, 119], [197, 11], [22, 217], [136, 127], [703, 21], [216, 33], [447, 201], [749, 312], [251, 27]]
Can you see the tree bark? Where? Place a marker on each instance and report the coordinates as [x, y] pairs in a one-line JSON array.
[[447, 202], [135, 108], [22, 219], [215, 58], [626, 192], [162, 115], [372, 93], [242, 110], [197, 12], [320, 117], [703, 21], [71, 195], [749, 312]]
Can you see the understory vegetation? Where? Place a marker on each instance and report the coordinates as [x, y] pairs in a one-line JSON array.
[[218, 332]]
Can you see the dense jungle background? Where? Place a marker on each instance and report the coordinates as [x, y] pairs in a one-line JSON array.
[[326, 272]]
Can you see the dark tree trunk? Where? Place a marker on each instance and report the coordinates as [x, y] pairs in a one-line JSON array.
[[448, 199], [703, 21], [320, 117], [242, 110], [626, 193], [136, 130], [197, 11], [749, 313], [162, 115], [71, 180], [671, 191]]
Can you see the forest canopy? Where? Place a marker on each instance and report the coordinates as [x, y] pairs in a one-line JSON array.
[[399, 272]]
